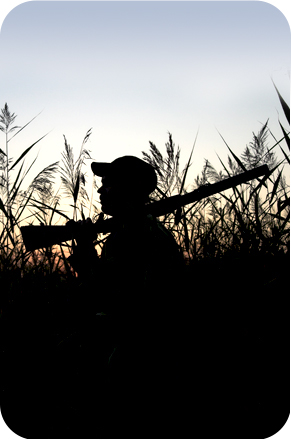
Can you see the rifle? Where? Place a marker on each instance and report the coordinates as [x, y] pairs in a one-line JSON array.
[[40, 236]]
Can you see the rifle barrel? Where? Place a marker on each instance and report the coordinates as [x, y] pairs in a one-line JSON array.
[[170, 204]]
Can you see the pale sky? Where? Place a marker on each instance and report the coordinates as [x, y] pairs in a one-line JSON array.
[[134, 71]]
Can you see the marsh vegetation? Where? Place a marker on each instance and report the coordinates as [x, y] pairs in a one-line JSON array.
[[236, 250]]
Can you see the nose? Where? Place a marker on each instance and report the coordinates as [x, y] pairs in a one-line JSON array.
[[102, 189]]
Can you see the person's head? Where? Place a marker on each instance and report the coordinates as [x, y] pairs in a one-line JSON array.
[[126, 183]]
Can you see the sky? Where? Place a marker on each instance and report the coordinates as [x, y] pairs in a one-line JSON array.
[[134, 71]]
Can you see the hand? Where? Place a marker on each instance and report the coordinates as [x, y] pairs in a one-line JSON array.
[[84, 231], [84, 256]]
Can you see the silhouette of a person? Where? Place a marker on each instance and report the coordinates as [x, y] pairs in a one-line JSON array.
[[137, 283]]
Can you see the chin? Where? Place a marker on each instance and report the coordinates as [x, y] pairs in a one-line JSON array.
[[107, 209]]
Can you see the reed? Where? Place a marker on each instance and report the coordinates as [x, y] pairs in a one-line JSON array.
[[14, 199], [252, 217], [236, 246], [72, 177]]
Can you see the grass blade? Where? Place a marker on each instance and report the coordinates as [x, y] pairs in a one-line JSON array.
[[229, 175], [25, 153], [239, 162], [76, 189], [38, 202], [22, 128], [275, 186], [2, 207], [284, 105], [286, 157], [187, 167], [286, 136]]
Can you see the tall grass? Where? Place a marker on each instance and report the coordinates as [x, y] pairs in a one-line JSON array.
[[14, 199], [254, 216], [236, 245], [72, 177]]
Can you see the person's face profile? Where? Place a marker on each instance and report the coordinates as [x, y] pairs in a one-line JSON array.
[[109, 196]]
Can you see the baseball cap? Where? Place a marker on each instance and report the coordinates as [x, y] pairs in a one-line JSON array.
[[128, 170]]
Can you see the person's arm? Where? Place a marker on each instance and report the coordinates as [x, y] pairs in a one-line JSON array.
[[84, 258]]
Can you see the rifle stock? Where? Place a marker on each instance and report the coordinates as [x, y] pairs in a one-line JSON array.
[[37, 237]]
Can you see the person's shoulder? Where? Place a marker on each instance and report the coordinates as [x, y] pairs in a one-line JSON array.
[[160, 234], [157, 226]]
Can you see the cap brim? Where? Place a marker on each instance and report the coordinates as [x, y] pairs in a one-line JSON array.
[[100, 168]]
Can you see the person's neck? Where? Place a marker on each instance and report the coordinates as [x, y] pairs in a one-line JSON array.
[[130, 215]]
